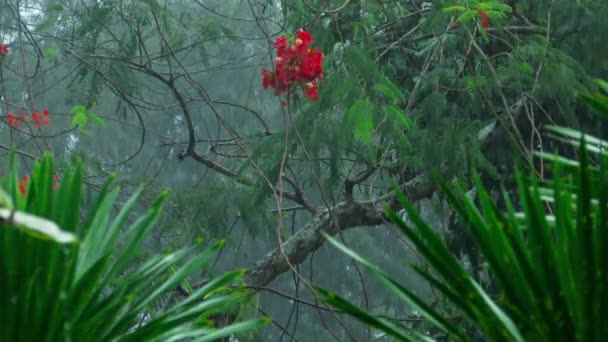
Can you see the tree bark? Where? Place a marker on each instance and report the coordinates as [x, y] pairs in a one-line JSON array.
[[343, 216]]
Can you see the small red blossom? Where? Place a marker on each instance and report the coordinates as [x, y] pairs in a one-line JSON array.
[[484, 17], [14, 121], [296, 64], [305, 37], [311, 91], [23, 185], [41, 119], [267, 78], [3, 50], [281, 45], [55, 182]]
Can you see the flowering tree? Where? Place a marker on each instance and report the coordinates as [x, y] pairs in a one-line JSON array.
[[296, 65], [388, 92]]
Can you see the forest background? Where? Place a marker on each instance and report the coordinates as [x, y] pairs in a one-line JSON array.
[[169, 94]]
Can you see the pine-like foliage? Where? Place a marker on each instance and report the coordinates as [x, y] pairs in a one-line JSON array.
[[548, 261]]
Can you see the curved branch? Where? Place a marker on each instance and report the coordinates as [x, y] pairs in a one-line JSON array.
[[345, 215], [350, 214]]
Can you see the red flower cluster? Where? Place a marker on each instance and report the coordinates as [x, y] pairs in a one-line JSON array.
[[484, 17], [14, 121], [3, 50], [39, 119], [23, 184], [296, 64]]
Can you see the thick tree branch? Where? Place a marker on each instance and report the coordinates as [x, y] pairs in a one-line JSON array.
[[350, 214], [345, 215], [350, 183]]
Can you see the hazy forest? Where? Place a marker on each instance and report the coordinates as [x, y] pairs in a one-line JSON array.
[[303, 170]]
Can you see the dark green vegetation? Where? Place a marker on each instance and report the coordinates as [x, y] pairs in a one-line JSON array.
[[55, 287], [168, 94], [548, 260]]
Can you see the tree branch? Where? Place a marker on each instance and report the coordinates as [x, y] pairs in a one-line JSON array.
[[345, 215], [350, 214]]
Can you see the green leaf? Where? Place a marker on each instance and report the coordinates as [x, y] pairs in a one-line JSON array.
[[360, 117], [97, 119], [403, 293], [400, 333], [389, 89], [400, 117], [49, 51], [80, 116], [452, 9], [526, 68], [6, 200]]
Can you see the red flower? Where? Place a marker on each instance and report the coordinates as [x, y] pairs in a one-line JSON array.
[[12, 120], [25, 181], [55, 182], [484, 17], [23, 185], [41, 119], [37, 122], [3, 50], [296, 64], [305, 37], [267, 78], [311, 91], [281, 45], [311, 67]]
